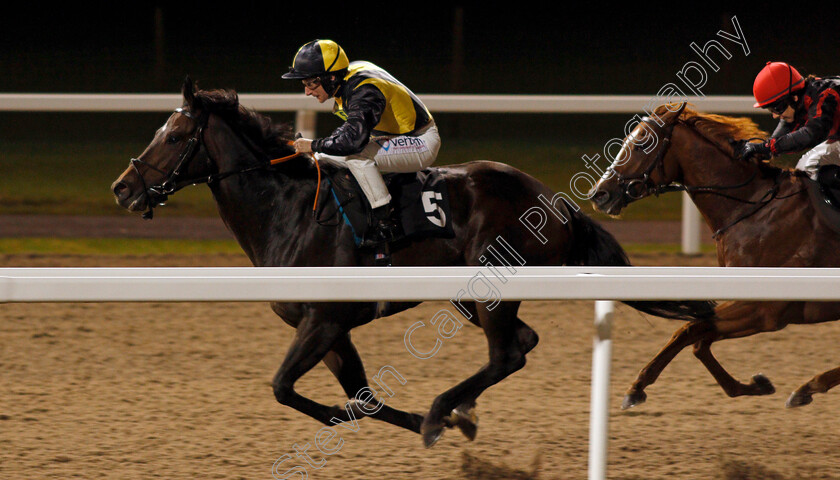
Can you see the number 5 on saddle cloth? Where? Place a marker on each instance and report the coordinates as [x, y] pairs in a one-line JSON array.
[[420, 201]]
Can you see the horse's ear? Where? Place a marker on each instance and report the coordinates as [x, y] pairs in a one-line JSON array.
[[671, 112], [188, 90]]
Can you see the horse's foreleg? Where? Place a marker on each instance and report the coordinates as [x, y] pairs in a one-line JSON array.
[[816, 312], [344, 362], [505, 336], [732, 320], [313, 339], [688, 334], [759, 385], [819, 384], [743, 319]]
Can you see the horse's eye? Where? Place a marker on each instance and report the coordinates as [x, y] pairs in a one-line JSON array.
[[642, 143], [173, 139]]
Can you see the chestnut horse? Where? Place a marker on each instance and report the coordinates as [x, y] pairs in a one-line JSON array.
[[761, 216], [269, 208]]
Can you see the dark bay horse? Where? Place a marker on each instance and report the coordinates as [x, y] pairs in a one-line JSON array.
[[269, 209], [761, 215]]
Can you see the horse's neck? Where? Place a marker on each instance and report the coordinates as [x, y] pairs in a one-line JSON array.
[[706, 165], [268, 211]]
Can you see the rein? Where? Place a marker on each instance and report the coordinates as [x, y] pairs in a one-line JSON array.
[[159, 193], [280, 160], [771, 194], [642, 180]]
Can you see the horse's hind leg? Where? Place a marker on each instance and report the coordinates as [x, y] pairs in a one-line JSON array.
[[819, 384], [344, 362], [464, 416], [526, 335], [503, 333]]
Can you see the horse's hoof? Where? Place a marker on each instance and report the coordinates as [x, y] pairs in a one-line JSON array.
[[762, 384], [431, 434], [798, 399], [465, 418], [633, 399]]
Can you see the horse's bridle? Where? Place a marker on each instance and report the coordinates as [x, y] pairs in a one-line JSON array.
[[635, 187], [638, 186], [159, 193]]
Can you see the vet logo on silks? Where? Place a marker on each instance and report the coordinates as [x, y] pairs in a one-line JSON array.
[[401, 145]]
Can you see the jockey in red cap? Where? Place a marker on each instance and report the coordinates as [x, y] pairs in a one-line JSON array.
[[808, 109]]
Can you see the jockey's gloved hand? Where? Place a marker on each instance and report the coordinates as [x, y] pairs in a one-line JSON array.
[[759, 151]]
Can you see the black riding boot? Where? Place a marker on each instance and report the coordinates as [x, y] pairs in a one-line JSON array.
[[831, 178], [385, 229]]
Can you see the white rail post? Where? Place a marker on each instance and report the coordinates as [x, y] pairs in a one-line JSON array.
[[305, 122], [692, 225], [599, 403]]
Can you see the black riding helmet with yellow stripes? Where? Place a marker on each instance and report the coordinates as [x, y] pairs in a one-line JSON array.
[[320, 59]]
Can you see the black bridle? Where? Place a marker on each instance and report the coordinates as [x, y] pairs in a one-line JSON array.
[[159, 193], [636, 187], [171, 183]]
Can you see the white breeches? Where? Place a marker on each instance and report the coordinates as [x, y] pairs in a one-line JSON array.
[[822, 154], [400, 154]]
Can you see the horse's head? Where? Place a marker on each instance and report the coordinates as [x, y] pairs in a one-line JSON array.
[[642, 166], [176, 153], [209, 138]]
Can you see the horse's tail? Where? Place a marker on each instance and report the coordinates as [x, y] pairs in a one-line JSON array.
[[595, 246]]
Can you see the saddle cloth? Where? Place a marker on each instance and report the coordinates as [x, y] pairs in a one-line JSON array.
[[826, 200], [420, 201]]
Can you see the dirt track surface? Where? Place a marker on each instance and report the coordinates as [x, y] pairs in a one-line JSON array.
[[212, 228], [182, 391]]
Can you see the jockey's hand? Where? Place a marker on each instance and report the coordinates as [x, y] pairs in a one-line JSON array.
[[759, 151], [303, 145]]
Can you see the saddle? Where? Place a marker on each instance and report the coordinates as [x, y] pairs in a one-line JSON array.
[[825, 196], [420, 201]]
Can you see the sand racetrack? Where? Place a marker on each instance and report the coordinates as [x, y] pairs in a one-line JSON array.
[[182, 391]]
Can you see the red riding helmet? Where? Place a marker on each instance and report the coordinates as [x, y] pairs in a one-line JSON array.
[[775, 81]]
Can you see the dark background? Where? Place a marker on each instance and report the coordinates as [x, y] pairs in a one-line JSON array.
[[110, 48], [472, 49], [533, 49]]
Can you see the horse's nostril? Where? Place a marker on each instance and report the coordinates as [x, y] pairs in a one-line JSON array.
[[600, 197], [120, 189]]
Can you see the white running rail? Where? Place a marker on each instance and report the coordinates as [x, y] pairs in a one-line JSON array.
[[434, 283]]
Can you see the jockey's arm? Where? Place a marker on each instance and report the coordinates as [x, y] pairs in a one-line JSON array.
[[782, 129], [364, 109], [814, 132], [809, 136]]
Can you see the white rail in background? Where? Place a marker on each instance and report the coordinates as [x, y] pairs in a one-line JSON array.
[[160, 102], [306, 110]]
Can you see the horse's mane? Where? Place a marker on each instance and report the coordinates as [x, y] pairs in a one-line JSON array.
[[269, 136], [719, 129], [722, 131]]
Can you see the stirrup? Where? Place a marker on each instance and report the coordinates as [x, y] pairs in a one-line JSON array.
[[384, 232]]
